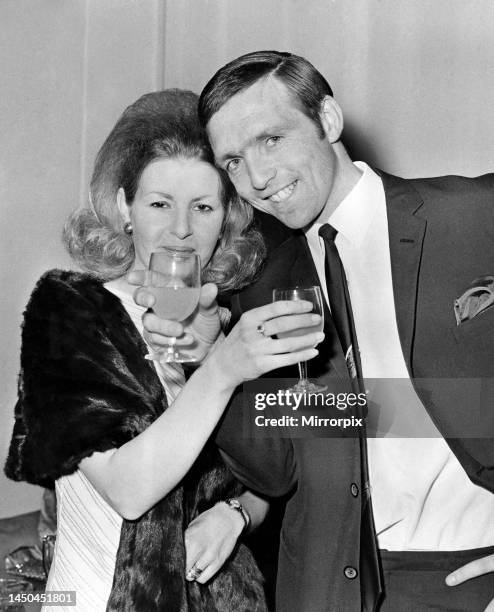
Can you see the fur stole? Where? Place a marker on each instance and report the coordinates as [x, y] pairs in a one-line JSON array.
[[84, 386]]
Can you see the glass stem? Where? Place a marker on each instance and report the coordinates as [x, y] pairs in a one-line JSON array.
[[302, 371], [170, 349]]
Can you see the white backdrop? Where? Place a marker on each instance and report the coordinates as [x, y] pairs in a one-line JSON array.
[[68, 68]]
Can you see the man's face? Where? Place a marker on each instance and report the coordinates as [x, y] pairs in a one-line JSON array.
[[273, 153]]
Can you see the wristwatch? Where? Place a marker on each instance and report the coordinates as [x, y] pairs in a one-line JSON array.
[[237, 506]]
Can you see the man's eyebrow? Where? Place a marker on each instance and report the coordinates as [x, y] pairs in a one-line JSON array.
[[230, 154], [219, 161], [272, 131]]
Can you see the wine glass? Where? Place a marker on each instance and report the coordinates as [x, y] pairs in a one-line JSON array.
[[310, 294], [175, 283]]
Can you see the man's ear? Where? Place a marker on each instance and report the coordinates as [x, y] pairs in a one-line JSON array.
[[331, 117], [123, 208]]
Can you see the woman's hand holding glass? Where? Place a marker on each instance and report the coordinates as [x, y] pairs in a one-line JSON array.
[[314, 295], [249, 341], [251, 349], [197, 334], [175, 283]]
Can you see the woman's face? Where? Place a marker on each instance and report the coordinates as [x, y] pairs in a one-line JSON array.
[[177, 204]]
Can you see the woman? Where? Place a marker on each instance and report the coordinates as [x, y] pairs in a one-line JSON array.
[[119, 435]]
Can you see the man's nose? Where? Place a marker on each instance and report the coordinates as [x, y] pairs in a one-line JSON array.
[[261, 171], [181, 226]]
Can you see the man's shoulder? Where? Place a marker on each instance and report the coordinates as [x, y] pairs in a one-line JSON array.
[[455, 184], [453, 194]]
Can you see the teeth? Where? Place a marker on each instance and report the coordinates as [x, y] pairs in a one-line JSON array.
[[283, 194]]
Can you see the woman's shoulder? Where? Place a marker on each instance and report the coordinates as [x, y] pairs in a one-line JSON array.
[[70, 281], [72, 305], [64, 289]]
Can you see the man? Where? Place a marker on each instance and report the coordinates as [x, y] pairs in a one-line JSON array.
[[409, 249]]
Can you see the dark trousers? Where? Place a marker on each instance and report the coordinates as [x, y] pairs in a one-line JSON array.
[[414, 582]]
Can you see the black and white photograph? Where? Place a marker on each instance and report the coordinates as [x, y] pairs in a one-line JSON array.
[[247, 261]]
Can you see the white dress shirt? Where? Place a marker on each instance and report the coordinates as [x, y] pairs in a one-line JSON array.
[[421, 495]]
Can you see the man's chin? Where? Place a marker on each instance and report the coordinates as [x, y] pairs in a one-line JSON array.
[[292, 220], [287, 217]]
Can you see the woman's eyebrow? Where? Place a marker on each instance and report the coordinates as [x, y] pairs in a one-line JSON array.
[[202, 197], [161, 194], [169, 196]]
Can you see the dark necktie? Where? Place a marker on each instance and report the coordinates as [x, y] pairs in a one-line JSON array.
[[341, 313], [339, 301]]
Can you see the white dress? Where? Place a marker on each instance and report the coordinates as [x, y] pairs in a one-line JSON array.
[[88, 534]]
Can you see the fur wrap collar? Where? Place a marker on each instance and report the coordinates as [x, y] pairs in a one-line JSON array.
[[84, 386]]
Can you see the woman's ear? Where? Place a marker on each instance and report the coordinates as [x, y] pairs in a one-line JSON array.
[[122, 205], [331, 117]]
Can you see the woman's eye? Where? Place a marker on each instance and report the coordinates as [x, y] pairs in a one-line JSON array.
[[203, 207], [232, 166], [159, 204]]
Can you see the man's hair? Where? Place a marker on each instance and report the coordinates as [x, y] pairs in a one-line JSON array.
[[159, 125], [306, 84]]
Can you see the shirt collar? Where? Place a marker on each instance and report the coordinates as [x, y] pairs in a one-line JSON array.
[[354, 215]]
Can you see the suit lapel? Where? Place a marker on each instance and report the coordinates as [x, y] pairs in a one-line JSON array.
[[406, 236]]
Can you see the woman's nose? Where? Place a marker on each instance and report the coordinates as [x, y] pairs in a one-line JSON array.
[[181, 226]]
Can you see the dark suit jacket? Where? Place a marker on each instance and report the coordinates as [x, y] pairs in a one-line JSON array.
[[441, 234]]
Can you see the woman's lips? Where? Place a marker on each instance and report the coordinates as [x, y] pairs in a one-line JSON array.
[[181, 249]]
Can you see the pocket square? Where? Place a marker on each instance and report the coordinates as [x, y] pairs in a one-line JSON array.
[[477, 298]]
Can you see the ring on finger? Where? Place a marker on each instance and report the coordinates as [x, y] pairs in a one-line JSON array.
[[261, 329], [194, 572]]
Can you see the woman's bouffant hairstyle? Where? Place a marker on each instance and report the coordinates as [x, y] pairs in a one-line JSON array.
[[158, 125]]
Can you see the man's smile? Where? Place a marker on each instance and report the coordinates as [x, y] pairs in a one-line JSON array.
[[283, 194]]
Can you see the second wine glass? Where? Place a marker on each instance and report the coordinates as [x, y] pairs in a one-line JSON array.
[[175, 282], [310, 294]]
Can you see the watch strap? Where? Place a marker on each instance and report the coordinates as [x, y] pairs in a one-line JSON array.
[[234, 504]]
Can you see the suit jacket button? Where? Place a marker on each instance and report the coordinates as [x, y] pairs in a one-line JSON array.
[[354, 489], [350, 572]]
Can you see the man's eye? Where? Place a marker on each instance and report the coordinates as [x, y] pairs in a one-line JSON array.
[[272, 140], [232, 166]]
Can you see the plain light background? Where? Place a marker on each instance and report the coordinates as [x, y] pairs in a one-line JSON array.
[[415, 79]]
